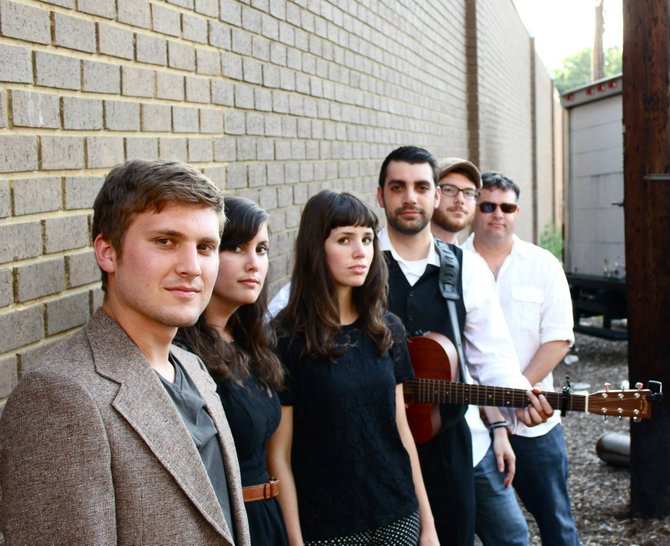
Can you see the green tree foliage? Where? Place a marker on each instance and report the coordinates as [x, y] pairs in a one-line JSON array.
[[613, 61], [576, 69], [552, 240]]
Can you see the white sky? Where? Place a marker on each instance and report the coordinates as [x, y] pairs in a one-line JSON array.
[[563, 27]]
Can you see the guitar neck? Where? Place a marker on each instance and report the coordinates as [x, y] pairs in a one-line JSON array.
[[424, 390]]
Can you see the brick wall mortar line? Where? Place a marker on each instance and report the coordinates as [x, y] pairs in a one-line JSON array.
[[43, 342], [46, 215], [69, 93], [43, 300], [53, 49]]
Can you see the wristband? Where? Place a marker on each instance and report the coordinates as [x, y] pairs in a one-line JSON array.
[[498, 424]]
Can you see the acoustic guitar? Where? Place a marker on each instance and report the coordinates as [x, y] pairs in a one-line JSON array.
[[435, 365]]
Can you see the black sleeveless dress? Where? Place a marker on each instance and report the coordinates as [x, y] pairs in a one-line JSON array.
[[253, 412]]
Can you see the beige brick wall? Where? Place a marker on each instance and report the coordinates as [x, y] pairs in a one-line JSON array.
[[504, 97], [546, 102], [273, 99]]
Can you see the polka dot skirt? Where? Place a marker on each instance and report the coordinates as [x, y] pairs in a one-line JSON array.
[[403, 532]]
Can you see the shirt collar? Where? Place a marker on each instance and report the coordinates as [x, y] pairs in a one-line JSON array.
[[385, 244], [518, 248]]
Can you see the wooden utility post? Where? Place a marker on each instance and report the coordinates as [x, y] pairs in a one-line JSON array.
[[598, 60], [646, 118]]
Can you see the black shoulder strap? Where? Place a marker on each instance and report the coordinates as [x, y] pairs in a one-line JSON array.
[[449, 274], [449, 270]]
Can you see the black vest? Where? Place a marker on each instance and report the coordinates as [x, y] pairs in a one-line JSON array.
[[422, 308]]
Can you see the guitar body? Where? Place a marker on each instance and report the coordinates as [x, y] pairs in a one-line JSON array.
[[433, 356]]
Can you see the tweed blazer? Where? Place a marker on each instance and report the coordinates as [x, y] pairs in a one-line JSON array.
[[93, 451]]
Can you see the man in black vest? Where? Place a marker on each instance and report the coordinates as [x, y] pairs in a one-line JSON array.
[[409, 195]]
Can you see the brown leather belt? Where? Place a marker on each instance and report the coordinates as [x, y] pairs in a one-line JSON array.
[[262, 491]]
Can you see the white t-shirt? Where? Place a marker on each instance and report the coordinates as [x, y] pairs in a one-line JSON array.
[[280, 300]]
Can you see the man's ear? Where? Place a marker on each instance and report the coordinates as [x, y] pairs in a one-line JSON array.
[[105, 254], [380, 197]]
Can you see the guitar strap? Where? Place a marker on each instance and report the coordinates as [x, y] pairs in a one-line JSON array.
[[448, 280]]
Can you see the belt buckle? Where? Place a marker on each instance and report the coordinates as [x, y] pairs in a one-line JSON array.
[[270, 488]]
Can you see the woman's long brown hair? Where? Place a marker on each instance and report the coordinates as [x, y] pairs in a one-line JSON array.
[[313, 307], [253, 349]]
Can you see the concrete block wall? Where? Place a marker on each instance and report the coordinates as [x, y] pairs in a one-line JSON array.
[[505, 101], [273, 99], [546, 101]]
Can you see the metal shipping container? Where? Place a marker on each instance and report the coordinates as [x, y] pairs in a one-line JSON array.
[[594, 255]]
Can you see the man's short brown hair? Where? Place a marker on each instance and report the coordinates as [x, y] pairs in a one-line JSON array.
[[138, 186]]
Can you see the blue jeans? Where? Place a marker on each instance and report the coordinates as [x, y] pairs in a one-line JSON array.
[[499, 519], [542, 483]]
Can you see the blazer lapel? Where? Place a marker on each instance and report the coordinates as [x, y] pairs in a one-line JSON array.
[[207, 388], [143, 402]]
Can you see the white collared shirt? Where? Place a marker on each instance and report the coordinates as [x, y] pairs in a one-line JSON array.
[[412, 269], [535, 298]]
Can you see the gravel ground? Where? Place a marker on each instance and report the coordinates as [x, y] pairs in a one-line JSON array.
[[601, 492]]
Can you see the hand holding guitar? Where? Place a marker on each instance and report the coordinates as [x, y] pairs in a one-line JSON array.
[[537, 411]]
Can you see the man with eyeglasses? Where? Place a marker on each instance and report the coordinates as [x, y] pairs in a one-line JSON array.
[[498, 516], [535, 298], [459, 185]]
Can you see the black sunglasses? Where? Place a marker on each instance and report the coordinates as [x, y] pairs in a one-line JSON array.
[[487, 207]]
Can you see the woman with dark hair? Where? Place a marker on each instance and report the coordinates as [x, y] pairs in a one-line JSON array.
[[343, 450], [233, 340]]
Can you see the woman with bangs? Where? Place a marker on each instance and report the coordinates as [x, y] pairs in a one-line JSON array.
[[233, 340], [343, 450]]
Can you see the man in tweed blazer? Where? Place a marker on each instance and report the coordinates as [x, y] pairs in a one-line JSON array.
[[94, 446]]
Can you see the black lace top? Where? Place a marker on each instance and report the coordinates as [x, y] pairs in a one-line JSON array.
[[351, 469]]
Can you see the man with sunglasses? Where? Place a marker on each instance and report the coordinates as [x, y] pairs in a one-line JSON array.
[[535, 298], [499, 518]]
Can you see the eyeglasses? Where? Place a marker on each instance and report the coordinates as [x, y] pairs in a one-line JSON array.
[[487, 207], [452, 191]]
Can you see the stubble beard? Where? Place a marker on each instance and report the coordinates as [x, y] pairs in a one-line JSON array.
[[179, 316], [174, 319], [408, 228], [443, 221]]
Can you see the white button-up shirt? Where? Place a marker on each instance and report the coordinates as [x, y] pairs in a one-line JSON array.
[[535, 299]]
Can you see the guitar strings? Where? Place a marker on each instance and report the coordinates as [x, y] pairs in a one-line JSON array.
[[617, 403]]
